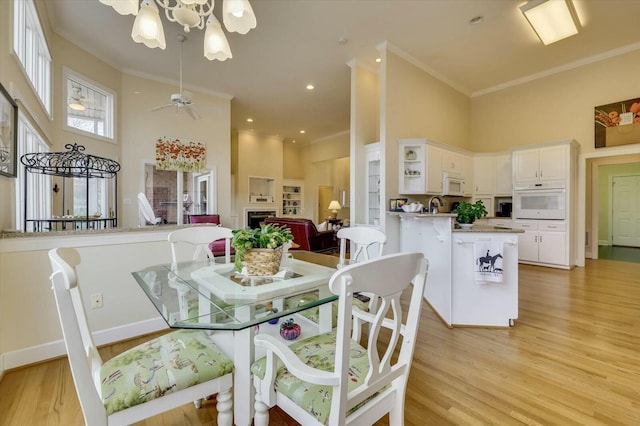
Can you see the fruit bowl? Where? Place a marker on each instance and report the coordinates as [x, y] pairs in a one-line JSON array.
[[412, 208]]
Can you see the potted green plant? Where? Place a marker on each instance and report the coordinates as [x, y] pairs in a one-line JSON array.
[[468, 213], [260, 250]]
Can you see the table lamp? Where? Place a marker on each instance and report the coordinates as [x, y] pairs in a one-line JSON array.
[[334, 206]]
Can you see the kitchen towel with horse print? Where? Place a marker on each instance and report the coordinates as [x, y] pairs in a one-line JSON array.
[[488, 264]]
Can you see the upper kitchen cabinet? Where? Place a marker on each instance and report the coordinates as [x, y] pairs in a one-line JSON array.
[[484, 174], [420, 167], [504, 175], [412, 167], [541, 164]]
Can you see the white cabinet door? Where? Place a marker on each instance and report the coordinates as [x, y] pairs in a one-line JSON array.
[[504, 175], [528, 246], [434, 170], [553, 162], [452, 162], [552, 247], [467, 175], [412, 166], [373, 207], [525, 165], [483, 175]]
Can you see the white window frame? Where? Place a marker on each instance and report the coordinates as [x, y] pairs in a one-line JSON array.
[[109, 119], [98, 200], [31, 49], [39, 202]]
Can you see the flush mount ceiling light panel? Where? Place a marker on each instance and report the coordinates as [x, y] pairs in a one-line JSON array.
[[237, 16], [552, 20]]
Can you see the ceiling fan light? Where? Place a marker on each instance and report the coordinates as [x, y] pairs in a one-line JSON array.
[[123, 7], [216, 45], [186, 17], [147, 28], [238, 16], [552, 20], [77, 106]]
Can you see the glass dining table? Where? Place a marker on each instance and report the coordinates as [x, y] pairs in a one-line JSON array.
[[212, 296]]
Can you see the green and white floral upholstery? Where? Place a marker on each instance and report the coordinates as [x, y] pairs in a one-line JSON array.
[[161, 366], [152, 378], [317, 352], [331, 379]]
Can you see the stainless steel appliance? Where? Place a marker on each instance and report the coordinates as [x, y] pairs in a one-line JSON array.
[[504, 209], [546, 200]]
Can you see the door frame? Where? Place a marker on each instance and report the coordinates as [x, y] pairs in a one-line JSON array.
[[613, 155]]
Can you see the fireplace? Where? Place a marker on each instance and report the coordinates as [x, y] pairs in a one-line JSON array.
[[256, 216]]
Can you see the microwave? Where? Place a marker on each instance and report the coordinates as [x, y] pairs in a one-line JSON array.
[[540, 201], [452, 184]]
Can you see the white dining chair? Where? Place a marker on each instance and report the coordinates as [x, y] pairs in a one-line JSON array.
[[332, 379], [364, 243], [193, 243], [151, 378]]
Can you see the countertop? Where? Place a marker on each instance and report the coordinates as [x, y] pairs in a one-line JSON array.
[[492, 229]]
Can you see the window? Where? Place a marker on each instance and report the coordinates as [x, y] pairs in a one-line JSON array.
[[31, 49], [89, 107], [38, 204]]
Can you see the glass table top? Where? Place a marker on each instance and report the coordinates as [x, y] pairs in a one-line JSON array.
[[208, 295]]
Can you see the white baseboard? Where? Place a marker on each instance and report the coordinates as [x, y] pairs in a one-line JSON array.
[[55, 349], [604, 243]]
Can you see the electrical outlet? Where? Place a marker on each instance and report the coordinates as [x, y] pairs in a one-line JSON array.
[[96, 301]]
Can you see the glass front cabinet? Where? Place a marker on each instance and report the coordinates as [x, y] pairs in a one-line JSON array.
[[373, 184], [292, 196]]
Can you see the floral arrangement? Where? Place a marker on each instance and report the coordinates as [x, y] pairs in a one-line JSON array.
[[468, 213], [172, 154], [267, 236]]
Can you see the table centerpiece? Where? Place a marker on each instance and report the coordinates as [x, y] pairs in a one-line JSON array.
[[260, 250]]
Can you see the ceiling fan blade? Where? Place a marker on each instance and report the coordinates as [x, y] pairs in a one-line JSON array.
[[161, 107], [192, 110]]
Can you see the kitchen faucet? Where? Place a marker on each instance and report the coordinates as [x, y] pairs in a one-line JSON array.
[[433, 206]]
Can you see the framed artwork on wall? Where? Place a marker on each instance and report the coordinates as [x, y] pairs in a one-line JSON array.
[[617, 123], [8, 134]]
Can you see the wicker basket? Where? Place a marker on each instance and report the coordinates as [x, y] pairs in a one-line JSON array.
[[259, 261]]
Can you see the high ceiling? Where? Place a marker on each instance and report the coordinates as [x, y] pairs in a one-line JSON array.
[[296, 42]]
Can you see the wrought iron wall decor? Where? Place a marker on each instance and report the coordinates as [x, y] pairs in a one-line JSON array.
[[73, 163], [8, 134]]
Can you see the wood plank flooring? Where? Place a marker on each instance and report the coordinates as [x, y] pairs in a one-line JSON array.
[[572, 358]]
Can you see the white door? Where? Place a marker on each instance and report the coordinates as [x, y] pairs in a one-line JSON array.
[[626, 210]]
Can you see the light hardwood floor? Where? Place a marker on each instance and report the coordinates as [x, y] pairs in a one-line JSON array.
[[572, 358]]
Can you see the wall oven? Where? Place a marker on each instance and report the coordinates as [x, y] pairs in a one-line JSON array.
[[545, 200]]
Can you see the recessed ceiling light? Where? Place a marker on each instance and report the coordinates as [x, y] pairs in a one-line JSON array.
[[293, 141], [476, 20], [378, 59], [343, 40], [310, 87], [249, 120], [302, 131]]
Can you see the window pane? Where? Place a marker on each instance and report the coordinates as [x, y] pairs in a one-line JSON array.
[[88, 107]]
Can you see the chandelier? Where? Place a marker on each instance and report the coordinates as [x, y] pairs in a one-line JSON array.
[[237, 16]]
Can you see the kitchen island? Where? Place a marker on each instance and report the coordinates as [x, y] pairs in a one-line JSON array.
[[473, 273]]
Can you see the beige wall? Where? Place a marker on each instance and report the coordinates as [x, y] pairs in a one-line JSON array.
[[558, 107], [416, 105]]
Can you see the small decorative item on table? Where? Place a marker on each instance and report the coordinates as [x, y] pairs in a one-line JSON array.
[[289, 330], [275, 320], [260, 250]]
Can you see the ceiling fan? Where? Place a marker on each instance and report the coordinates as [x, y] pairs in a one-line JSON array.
[[79, 102], [182, 99]]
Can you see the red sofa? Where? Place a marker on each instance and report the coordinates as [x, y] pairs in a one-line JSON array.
[[306, 235]]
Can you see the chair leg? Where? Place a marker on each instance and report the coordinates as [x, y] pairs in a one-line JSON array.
[[261, 416], [225, 408]]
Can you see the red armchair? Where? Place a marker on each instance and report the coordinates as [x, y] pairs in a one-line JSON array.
[[306, 235]]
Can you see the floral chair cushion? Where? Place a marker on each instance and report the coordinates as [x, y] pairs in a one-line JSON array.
[[163, 365], [317, 352], [313, 314]]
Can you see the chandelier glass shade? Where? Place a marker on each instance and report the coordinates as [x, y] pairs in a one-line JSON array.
[[237, 16]]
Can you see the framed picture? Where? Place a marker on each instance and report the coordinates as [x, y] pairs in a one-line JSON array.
[[617, 123], [395, 204], [8, 134]]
